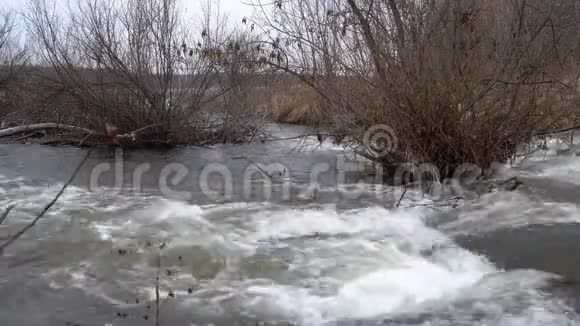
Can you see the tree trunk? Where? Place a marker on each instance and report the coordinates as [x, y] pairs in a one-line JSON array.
[[368, 34], [398, 22]]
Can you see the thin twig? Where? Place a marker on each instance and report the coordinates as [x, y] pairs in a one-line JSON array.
[[47, 207], [558, 131], [28, 136], [257, 165], [85, 139], [298, 137], [6, 212], [157, 290], [144, 128], [402, 196]]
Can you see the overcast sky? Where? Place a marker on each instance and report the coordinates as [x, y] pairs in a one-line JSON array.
[[234, 8]]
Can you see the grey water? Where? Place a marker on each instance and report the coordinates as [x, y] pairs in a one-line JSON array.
[[311, 237]]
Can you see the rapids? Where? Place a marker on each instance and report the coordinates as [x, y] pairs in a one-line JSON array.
[[319, 255]]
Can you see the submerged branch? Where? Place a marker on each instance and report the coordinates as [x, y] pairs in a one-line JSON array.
[[30, 225], [6, 212], [402, 196]]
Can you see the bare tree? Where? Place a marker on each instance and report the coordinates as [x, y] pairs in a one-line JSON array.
[[12, 55], [133, 64], [13, 58]]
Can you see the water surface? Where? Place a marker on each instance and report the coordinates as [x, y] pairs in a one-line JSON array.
[[332, 252]]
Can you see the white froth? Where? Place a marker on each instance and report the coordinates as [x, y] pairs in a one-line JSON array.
[[564, 169], [396, 280], [342, 264], [503, 210]]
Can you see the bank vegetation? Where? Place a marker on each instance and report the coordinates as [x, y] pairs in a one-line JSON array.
[[455, 81]]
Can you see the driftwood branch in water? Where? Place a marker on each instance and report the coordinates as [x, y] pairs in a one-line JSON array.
[[402, 196], [57, 126], [41, 126], [5, 214], [30, 225]]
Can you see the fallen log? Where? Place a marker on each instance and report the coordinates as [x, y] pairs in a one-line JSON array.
[[42, 126], [57, 126]]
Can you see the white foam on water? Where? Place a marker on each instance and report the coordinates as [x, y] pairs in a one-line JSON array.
[[329, 221], [514, 298], [81, 277], [369, 263], [398, 278], [414, 280], [401, 279], [29, 199], [559, 161], [176, 225], [372, 258], [503, 210], [542, 149], [564, 169]]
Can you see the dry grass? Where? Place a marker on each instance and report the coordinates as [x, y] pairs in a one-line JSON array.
[[299, 104]]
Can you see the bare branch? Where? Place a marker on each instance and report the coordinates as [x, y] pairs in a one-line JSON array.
[[30, 225], [6, 212]]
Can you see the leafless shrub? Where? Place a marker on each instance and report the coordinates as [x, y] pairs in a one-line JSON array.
[[458, 81], [133, 64], [12, 60]]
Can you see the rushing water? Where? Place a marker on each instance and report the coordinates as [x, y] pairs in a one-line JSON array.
[[330, 252]]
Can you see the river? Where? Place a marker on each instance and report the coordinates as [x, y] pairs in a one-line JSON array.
[[315, 246]]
